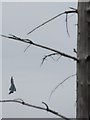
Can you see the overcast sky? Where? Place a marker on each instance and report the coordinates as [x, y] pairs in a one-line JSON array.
[[34, 83]]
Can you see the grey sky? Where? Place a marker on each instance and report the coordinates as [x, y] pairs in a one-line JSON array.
[[0, 59], [34, 83]]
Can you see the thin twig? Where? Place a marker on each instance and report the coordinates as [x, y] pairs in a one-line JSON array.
[[20, 101], [40, 46], [58, 58], [74, 50], [66, 12], [67, 25], [60, 84], [46, 105], [46, 56], [72, 8], [27, 47]]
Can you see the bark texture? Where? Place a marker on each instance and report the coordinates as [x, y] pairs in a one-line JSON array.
[[83, 66]]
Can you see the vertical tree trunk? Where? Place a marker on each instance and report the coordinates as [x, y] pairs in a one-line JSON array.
[[83, 66]]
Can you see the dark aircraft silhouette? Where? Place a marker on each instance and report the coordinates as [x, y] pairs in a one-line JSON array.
[[12, 88]]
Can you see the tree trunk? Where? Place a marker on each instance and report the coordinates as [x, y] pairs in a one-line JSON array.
[[83, 66]]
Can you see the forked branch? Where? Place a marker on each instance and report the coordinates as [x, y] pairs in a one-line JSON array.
[[28, 41], [66, 12], [49, 55], [20, 101]]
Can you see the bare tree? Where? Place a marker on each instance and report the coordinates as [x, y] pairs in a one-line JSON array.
[[54, 53], [82, 59]]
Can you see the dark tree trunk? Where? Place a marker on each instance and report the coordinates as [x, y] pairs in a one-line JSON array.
[[83, 66]]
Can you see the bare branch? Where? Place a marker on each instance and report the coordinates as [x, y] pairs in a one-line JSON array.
[[46, 106], [60, 84], [27, 47], [74, 50], [72, 8], [66, 12], [67, 25], [40, 46], [46, 56], [17, 38], [20, 101]]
